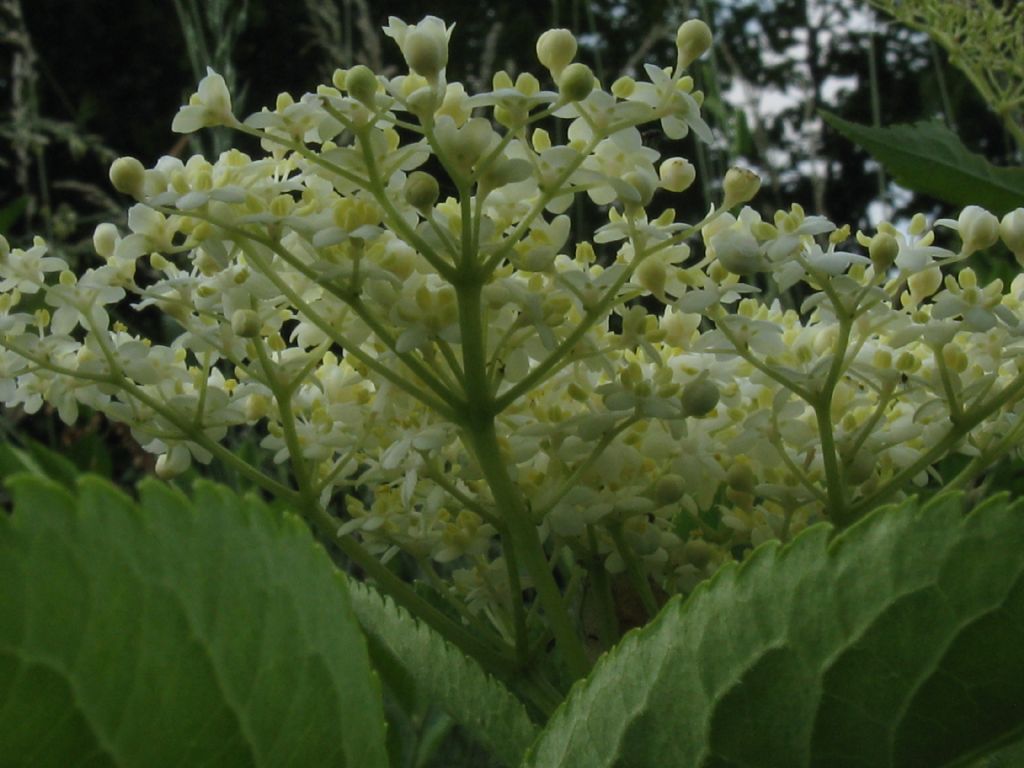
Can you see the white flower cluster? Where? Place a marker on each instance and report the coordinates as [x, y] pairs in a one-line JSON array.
[[390, 286]]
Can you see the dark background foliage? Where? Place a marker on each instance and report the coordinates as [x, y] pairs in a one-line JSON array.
[[117, 71]]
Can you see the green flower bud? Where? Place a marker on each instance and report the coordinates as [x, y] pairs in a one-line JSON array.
[[692, 39], [104, 240], [245, 323], [1011, 230], [923, 284], [257, 406], [128, 176], [738, 252], [669, 489], [699, 397], [698, 552], [979, 229], [623, 87], [740, 185], [361, 84], [425, 102], [677, 174], [906, 362], [556, 48], [5, 248], [740, 477], [644, 184], [421, 190], [576, 82], [883, 251], [426, 51], [955, 358], [505, 171], [651, 274]]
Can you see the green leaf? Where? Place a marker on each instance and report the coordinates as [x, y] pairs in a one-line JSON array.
[[443, 674], [36, 459], [897, 643], [927, 157], [175, 632]]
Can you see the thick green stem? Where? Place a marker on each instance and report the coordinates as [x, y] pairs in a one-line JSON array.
[[822, 404], [480, 436], [528, 547], [637, 580]]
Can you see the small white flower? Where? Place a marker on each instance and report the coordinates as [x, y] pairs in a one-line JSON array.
[[424, 45], [209, 107], [25, 271]]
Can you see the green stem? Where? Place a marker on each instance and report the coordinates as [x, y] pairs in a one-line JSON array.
[[641, 585], [442, 408], [956, 409], [971, 418], [822, 405], [402, 593], [480, 437], [187, 428], [608, 626], [524, 537], [328, 329], [743, 350], [570, 482], [283, 395]]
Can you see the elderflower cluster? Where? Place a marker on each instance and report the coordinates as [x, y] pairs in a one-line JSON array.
[[393, 273]]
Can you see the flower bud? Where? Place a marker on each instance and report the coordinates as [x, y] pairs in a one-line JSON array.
[[128, 176], [676, 174], [668, 489], [426, 50], [624, 87], [906, 362], [421, 190], [955, 358], [740, 477], [257, 406], [740, 185], [5, 248], [699, 397], [651, 274], [361, 84], [883, 251], [979, 229], [644, 184], [208, 107], [424, 102], [173, 463], [556, 48], [245, 323], [505, 171], [923, 284], [692, 39], [698, 552], [576, 82], [1011, 229], [738, 252], [104, 240]]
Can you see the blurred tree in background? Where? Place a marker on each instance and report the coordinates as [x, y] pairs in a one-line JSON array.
[[91, 79]]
